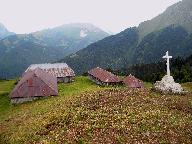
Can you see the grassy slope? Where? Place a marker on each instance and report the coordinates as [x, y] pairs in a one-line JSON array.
[[81, 84], [86, 112], [24, 114], [5, 87], [187, 86]]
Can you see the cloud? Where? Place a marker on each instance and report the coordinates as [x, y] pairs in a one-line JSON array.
[[24, 16]]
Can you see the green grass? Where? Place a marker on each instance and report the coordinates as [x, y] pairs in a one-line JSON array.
[[187, 86], [81, 84], [5, 88], [86, 113], [31, 112], [148, 85]]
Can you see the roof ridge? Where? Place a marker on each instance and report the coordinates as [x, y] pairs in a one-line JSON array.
[[42, 78], [47, 84], [106, 75], [106, 70], [23, 80]]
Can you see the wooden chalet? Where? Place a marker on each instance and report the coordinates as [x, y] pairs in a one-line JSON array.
[[62, 71], [103, 77]]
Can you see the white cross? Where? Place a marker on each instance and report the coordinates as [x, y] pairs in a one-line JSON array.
[[167, 57]]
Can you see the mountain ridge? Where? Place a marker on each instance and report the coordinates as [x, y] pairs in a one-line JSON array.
[[149, 45], [4, 32], [178, 14], [50, 45]]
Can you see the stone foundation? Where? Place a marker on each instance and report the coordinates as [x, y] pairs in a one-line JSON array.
[[168, 85], [98, 82], [23, 100], [65, 79]]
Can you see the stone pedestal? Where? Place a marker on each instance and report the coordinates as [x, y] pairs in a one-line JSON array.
[[168, 85]]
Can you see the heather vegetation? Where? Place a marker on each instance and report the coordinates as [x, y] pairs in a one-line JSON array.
[[86, 113]]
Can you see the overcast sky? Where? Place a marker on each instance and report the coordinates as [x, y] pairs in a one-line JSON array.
[[24, 16]]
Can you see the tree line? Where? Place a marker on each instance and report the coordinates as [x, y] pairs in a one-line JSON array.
[[181, 70]]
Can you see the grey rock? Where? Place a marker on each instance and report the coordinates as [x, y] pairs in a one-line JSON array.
[[168, 85]]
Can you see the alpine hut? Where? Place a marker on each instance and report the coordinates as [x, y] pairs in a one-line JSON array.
[[34, 84], [133, 82], [62, 71], [103, 77]]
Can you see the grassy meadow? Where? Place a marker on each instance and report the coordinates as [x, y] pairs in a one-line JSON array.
[[80, 85], [5, 88], [86, 113]]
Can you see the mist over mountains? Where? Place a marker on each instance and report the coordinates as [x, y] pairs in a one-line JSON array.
[[84, 46], [20, 50], [4, 32], [179, 14], [170, 31]]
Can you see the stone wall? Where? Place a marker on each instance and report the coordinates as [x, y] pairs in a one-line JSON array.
[[95, 80], [65, 79], [22, 100], [99, 82]]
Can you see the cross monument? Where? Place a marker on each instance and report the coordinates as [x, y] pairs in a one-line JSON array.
[[167, 57]]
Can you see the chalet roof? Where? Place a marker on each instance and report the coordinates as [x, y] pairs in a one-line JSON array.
[[104, 75], [35, 83], [133, 82], [56, 69], [47, 66]]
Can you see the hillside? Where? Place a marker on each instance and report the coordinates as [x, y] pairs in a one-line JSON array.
[[104, 53], [122, 50], [86, 113], [4, 32], [19, 51], [174, 39], [140, 44], [179, 14]]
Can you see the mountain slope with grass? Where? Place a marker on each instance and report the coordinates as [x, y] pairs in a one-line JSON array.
[[170, 31], [104, 53], [179, 14], [174, 39], [122, 50]]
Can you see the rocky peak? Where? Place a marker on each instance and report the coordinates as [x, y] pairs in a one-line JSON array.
[[4, 32]]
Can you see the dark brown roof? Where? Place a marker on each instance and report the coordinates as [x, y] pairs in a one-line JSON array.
[[133, 82], [104, 75], [35, 83]]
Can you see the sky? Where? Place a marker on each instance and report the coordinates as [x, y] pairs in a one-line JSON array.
[[25, 16]]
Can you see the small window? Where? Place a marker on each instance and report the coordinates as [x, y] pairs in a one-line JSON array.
[[30, 82]]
